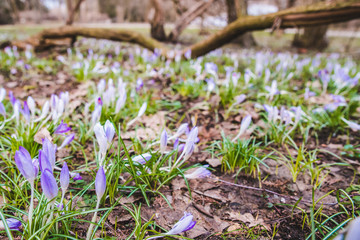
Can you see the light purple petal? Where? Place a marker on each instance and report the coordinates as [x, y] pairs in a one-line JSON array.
[[48, 185], [100, 183]]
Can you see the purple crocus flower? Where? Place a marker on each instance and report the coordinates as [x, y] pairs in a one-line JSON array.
[[12, 97], [31, 104], [182, 129], [48, 184], [308, 93], [187, 54], [190, 141], [104, 136], [75, 176], [109, 131], [64, 178], [245, 123], [200, 172], [239, 99], [184, 224], [67, 140], [44, 162], [139, 84], [181, 147], [49, 150], [163, 141], [353, 231], [100, 183], [353, 125], [96, 114], [176, 143], [142, 158], [25, 111], [62, 128], [12, 223], [25, 165], [2, 109]]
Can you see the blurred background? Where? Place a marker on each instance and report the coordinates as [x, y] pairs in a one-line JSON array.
[[20, 18]]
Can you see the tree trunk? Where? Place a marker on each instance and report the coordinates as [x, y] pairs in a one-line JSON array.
[[303, 16], [15, 11], [72, 11], [157, 30], [187, 17], [312, 37], [238, 9]]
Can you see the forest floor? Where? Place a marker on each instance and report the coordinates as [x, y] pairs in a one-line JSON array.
[[290, 171]]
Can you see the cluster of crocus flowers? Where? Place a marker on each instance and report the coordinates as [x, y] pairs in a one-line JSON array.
[[46, 161]]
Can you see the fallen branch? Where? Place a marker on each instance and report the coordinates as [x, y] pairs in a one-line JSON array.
[[303, 16]]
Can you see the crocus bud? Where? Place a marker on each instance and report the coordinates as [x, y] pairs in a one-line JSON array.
[[101, 85], [48, 185], [44, 161], [2, 94], [163, 141], [24, 163], [49, 150], [100, 183], [101, 138], [12, 223], [120, 103], [109, 131], [2, 109], [26, 112], [182, 129], [245, 123], [64, 178], [44, 111], [32, 105], [142, 109], [96, 114]]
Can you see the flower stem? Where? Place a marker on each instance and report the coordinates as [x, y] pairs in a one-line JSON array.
[[31, 208], [89, 233]]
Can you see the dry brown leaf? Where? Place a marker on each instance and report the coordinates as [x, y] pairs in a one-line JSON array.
[[42, 134], [213, 162]]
